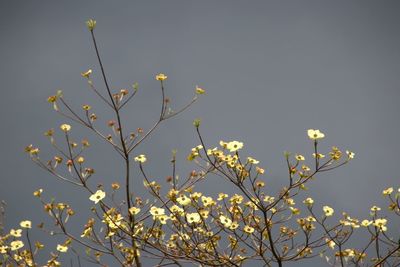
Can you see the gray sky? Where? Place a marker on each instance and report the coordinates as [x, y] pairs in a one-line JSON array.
[[272, 69]]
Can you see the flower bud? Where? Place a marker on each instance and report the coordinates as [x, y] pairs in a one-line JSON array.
[[196, 123], [91, 24]]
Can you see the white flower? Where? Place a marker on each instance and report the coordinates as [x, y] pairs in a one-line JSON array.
[[141, 158], [315, 134], [96, 197]]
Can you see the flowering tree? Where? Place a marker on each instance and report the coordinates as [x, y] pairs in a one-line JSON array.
[[179, 225]]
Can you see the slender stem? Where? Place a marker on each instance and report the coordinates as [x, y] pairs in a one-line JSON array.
[[271, 241], [125, 151], [377, 243], [100, 95], [316, 154], [387, 256], [341, 255], [30, 247]]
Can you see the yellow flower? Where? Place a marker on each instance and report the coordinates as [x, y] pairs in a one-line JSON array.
[[156, 211], [52, 99], [336, 154], [134, 210], [387, 191], [349, 252], [252, 160], [171, 245], [318, 155], [308, 201], [222, 196], [260, 184], [223, 144], [112, 220], [163, 218], [328, 211], [86, 107], [39, 245], [294, 210], [375, 208], [310, 219], [176, 209], [197, 148], [269, 199], [62, 248], [161, 77], [204, 213], [366, 223], [26, 224], [193, 217], [183, 200], [350, 222], [234, 226], [49, 132], [17, 257], [16, 233], [350, 154], [53, 262], [81, 160], [17, 244], [315, 134], [207, 201], [172, 193], [234, 146], [290, 201], [192, 156], [99, 195], [184, 236], [86, 232], [200, 91], [248, 229], [381, 224], [86, 74], [3, 249], [236, 199], [65, 127], [196, 195], [330, 243], [300, 157], [141, 158], [260, 170], [305, 168], [225, 221], [38, 192], [115, 186]]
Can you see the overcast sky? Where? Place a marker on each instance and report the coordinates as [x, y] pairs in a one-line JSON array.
[[272, 70]]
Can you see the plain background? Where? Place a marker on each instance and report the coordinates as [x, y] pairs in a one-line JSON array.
[[272, 70]]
